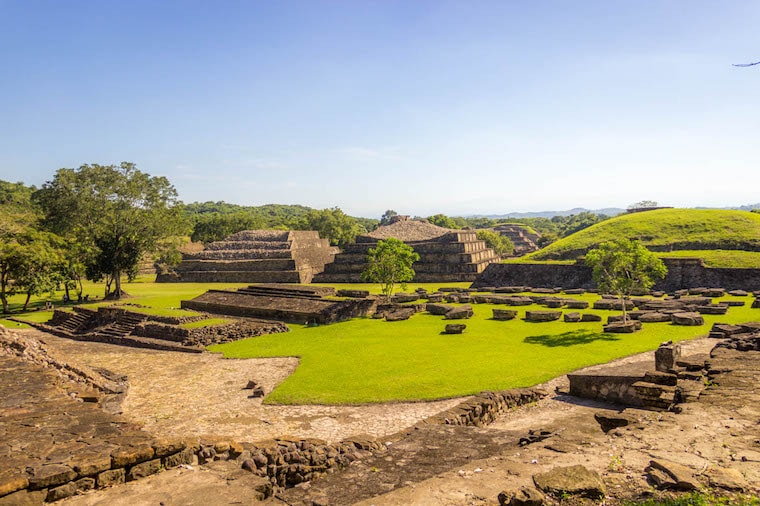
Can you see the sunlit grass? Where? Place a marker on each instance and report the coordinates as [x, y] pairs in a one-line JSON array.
[[366, 360]]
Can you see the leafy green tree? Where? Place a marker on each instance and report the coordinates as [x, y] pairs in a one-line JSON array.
[[42, 264], [500, 244], [442, 220], [216, 226], [332, 224], [390, 263], [622, 267], [387, 216], [115, 212]]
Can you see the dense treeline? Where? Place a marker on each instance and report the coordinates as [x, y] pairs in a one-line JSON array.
[[99, 222]]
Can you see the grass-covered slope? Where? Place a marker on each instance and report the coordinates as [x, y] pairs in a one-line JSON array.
[[664, 230]]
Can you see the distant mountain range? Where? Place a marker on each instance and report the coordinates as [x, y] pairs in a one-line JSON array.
[[609, 211]]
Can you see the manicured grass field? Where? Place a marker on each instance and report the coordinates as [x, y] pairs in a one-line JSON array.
[[366, 360]]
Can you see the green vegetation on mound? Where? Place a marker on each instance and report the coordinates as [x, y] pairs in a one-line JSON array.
[[664, 230]]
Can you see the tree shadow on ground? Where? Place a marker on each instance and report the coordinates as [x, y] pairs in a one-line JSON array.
[[571, 338]]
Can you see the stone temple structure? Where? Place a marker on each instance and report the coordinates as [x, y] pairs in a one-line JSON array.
[[256, 256], [523, 239], [445, 254]]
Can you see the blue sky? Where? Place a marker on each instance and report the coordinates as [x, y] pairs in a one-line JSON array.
[[460, 107]]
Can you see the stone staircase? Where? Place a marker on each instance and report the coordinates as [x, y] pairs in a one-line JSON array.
[[108, 325], [523, 240]]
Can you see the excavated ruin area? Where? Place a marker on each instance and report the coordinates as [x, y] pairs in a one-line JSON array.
[[715, 439]]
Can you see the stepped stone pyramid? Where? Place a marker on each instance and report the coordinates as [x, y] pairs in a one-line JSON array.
[[445, 254], [523, 239], [256, 256]]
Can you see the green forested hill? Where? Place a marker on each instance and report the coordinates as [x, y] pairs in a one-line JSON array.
[[665, 230]]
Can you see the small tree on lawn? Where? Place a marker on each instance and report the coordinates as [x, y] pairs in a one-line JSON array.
[[623, 267], [390, 263]]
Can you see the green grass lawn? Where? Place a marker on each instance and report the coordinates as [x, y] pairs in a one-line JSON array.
[[366, 360]]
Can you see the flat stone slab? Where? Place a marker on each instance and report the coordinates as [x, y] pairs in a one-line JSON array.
[[455, 328], [543, 316], [504, 314], [459, 313], [573, 480], [687, 319]]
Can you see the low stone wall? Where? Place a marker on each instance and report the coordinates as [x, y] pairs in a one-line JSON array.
[[615, 386], [484, 408], [213, 334], [683, 273]]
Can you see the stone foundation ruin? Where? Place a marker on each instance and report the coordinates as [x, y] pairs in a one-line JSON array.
[[295, 304], [445, 255], [256, 256], [116, 325]]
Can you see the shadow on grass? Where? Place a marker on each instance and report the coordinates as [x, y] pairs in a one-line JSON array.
[[571, 338]]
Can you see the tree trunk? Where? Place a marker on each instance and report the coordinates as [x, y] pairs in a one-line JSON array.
[[622, 303], [4, 299], [26, 302], [117, 288], [66, 291]]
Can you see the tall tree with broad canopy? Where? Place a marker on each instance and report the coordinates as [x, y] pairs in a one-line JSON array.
[[623, 267], [116, 213], [390, 263]]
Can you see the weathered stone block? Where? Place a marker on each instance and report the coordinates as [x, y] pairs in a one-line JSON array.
[[590, 317], [24, 498], [164, 447], [713, 309], [85, 484], [11, 484], [654, 317], [50, 475], [90, 465], [61, 492], [573, 480], [130, 455], [666, 356], [455, 328], [688, 319], [459, 313], [438, 309], [111, 478], [628, 327], [144, 469], [526, 496], [504, 314], [185, 457], [542, 316]]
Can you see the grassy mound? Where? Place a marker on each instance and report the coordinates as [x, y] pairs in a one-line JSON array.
[[665, 230]]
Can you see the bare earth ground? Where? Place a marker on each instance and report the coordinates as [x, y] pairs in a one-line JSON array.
[[184, 394], [178, 394]]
